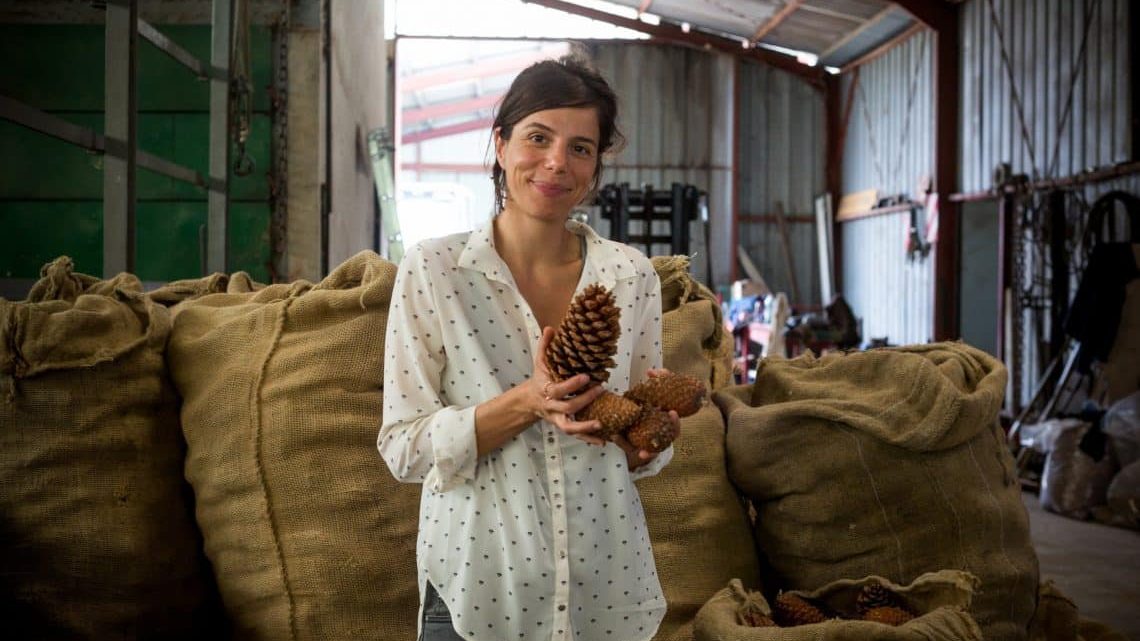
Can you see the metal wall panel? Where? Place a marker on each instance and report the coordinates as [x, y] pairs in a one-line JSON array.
[[889, 147], [782, 159], [1074, 112], [674, 106]]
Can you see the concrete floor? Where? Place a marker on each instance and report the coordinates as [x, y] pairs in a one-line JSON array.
[[1097, 566]]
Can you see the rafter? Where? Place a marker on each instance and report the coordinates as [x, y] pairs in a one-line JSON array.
[[768, 27], [451, 130], [672, 33], [476, 70], [444, 109], [854, 33]]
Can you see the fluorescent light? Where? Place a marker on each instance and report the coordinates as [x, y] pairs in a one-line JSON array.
[[685, 27]]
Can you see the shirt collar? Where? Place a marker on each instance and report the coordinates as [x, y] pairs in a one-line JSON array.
[[606, 261]]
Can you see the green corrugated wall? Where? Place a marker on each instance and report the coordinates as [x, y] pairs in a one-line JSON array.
[[51, 193]]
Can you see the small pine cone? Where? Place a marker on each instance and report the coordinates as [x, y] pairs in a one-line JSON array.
[[614, 412], [683, 394], [792, 610], [587, 338], [653, 431], [887, 614], [875, 595]]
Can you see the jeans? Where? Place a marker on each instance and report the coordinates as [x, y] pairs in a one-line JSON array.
[[436, 624]]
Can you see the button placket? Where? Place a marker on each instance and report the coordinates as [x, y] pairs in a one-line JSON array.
[[558, 512]]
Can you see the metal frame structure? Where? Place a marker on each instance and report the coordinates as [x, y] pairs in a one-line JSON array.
[[119, 144]]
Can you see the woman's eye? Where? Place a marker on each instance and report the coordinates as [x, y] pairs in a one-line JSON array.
[[537, 138], [582, 149]]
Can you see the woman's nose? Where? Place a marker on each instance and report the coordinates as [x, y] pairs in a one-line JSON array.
[[556, 158]]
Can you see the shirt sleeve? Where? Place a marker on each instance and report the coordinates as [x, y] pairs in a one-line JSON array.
[[647, 353], [422, 439]]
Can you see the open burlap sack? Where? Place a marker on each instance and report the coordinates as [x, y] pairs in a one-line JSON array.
[[692, 331], [97, 535], [941, 601], [309, 535], [890, 463], [698, 527]]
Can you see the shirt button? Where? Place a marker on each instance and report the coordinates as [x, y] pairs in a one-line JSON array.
[[561, 608]]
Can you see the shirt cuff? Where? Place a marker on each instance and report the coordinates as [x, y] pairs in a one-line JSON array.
[[454, 448], [653, 467]]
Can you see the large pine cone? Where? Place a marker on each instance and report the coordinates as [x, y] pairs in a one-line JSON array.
[[683, 394], [587, 338], [792, 610], [875, 595]]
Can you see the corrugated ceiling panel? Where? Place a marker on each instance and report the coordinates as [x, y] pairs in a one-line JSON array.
[[781, 160], [1074, 113]]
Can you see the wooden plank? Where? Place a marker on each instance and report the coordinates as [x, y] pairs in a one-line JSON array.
[[854, 33], [786, 245], [882, 49], [859, 201], [768, 27]]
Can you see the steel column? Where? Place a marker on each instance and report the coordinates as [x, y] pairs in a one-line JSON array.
[[120, 129], [217, 224], [947, 73]]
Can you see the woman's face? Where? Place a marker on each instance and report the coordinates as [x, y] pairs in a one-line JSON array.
[[549, 161]]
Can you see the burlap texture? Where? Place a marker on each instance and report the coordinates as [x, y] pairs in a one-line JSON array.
[[696, 522], [97, 537], [310, 536], [941, 598], [698, 527], [177, 291], [1057, 619], [692, 332], [890, 463]]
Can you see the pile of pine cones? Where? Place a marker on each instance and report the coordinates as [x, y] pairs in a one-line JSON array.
[[585, 343], [875, 603]]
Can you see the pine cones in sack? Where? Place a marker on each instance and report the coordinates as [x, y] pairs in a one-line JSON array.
[[792, 610], [875, 595], [587, 338], [889, 615]]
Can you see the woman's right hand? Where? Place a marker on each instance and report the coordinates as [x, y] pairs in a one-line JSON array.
[[557, 402]]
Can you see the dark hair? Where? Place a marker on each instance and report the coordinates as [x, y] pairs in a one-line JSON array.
[[568, 81]]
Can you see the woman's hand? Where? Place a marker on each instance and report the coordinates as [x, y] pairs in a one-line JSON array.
[[553, 402], [637, 457]]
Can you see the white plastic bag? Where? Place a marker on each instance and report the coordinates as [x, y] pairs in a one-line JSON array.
[[1122, 425], [1073, 482]]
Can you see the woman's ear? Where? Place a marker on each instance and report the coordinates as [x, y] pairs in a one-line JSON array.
[[500, 146]]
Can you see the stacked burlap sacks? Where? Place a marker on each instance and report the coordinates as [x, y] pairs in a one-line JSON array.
[[309, 535], [698, 528], [888, 463], [97, 536], [940, 601]]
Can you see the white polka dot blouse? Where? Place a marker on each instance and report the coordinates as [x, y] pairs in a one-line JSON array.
[[545, 537]]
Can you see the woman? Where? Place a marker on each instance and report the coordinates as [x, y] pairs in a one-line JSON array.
[[530, 526]]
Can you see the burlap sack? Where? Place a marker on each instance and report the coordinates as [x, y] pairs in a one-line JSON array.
[[888, 462], [97, 537], [177, 291], [698, 528], [692, 331], [309, 535], [941, 599], [1057, 619]]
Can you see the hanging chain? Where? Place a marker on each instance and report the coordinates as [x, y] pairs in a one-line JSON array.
[[241, 88], [278, 152]]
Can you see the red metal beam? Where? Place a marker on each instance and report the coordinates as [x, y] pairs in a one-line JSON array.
[[444, 109], [947, 76], [768, 27], [443, 132], [455, 167], [936, 14], [674, 34], [477, 70]]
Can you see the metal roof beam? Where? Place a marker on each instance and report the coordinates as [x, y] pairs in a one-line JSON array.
[[444, 109], [476, 70], [878, 51], [937, 15], [672, 33], [768, 27], [451, 130]]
